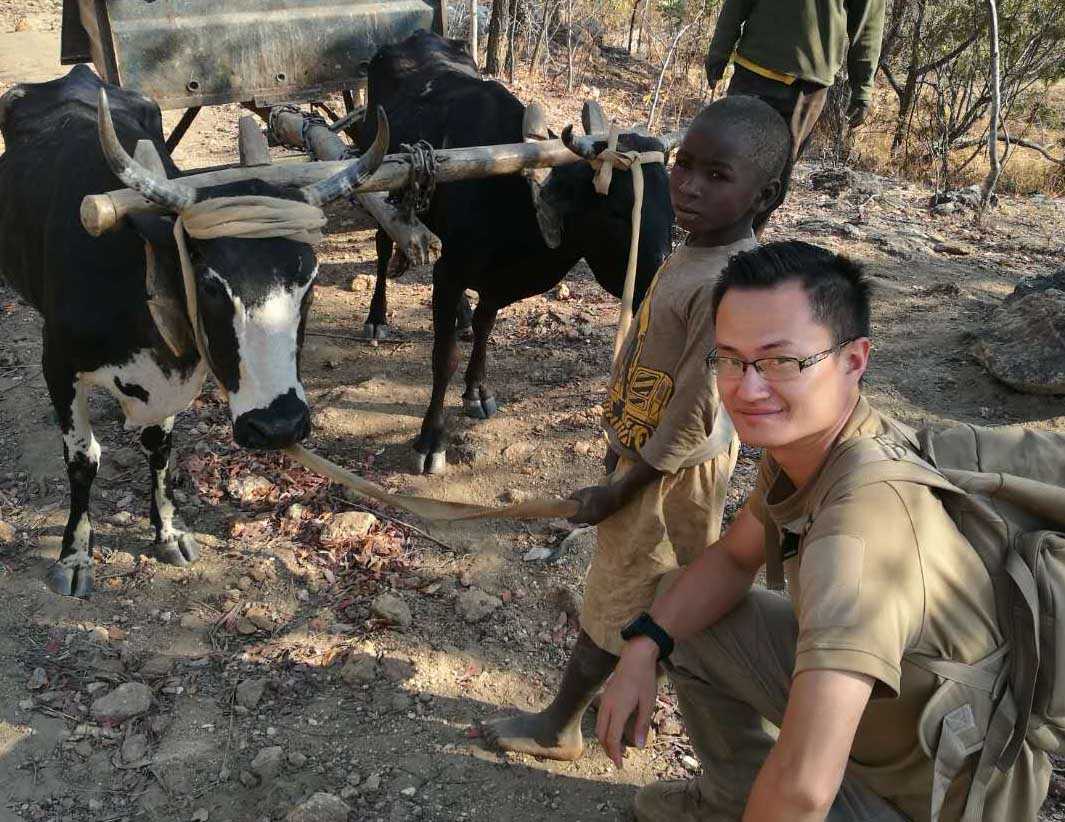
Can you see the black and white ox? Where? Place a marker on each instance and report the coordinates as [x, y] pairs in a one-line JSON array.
[[253, 294], [501, 237]]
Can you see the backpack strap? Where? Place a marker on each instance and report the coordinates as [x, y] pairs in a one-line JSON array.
[[868, 460]]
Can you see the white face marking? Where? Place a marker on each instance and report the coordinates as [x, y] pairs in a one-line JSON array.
[[168, 394], [266, 339]]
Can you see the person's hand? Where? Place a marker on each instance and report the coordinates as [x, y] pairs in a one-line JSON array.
[[597, 502], [715, 70], [630, 692], [857, 111], [610, 461]]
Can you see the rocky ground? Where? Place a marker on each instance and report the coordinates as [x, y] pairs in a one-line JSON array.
[[329, 657]]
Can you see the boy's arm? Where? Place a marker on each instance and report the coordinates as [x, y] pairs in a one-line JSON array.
[[600, 501], [803, 772], [726, 35]]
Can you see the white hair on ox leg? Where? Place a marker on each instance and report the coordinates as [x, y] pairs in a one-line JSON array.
[[174, 546], [72, 573]]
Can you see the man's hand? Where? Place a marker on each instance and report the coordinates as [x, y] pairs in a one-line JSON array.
[[631, 690], [597, 503], [857, 111], [715, 70]]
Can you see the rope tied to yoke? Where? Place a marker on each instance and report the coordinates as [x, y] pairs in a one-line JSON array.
[[604, 165]]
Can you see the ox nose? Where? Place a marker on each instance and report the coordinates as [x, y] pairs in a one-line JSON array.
[[284, 422]]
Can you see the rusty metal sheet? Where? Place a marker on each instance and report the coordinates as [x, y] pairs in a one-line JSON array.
[[186, 53]]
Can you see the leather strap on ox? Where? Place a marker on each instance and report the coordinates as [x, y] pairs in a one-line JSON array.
[[609, 159]]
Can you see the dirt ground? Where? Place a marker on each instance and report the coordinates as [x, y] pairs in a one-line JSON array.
[[271, 639]]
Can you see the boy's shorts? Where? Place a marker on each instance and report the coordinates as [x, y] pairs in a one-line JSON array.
[[666, 525]]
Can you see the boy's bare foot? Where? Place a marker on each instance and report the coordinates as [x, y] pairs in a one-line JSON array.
[[535, 734]]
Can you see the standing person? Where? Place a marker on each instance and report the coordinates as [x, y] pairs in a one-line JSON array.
[[882, 587], [670, 450], [787, 52]]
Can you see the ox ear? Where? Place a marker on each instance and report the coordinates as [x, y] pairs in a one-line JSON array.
[[534, 128]]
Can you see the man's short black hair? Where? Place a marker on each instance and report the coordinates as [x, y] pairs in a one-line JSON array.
[[762, 129], [836, 286]]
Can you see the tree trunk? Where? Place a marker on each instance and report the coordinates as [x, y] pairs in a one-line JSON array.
[[988, 187], [497, 27], [512, 27], [909, 91], [541, 41], [632, 22], [474, 46], [569, 46], [643, 25]]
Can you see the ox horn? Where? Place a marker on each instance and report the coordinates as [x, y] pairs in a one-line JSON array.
[[353, 176], [581, 146], [593, 119], [671, 140], [170, 194]]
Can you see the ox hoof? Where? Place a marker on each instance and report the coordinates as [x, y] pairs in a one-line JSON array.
[[480, 409], [179, 552], [71, 577], [432, 463], [465, 333], [375, 331]]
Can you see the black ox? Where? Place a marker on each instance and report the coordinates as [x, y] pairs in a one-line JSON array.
[[252, 294], [492, 231]]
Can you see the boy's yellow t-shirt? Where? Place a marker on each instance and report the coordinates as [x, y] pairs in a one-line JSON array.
[[662, 402]]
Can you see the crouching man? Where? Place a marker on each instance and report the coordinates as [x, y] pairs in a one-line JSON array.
[[811, 706]]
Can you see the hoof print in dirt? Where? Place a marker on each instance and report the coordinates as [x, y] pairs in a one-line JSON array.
[[70, 577], [180, 552], [433, 463], [480, 408]]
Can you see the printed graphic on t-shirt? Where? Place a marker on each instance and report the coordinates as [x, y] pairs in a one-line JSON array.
[[638, 395]]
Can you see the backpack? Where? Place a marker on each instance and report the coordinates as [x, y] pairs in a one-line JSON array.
[[1004, 488]]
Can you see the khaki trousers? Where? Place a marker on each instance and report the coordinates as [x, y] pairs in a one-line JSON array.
[[666, 525], [732, 681]]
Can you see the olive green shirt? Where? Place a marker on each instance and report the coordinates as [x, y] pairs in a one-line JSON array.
[[807, 39]]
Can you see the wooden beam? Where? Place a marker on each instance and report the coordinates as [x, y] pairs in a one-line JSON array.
[[251, 143], [103, 212]]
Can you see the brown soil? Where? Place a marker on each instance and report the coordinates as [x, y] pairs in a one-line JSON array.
[[400, 746]]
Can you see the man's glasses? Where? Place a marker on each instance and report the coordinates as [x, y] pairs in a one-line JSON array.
[[772, 369]]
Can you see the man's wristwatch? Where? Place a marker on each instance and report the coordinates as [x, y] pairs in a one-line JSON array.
[[643, 625]]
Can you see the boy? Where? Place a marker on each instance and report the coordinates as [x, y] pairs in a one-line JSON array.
[[671, 452]]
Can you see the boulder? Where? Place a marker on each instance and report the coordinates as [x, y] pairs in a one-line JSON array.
[[1023, 344], [474, 605], [348, 525], [267, 763], [124, 702], [360, 669], [249, 692], [321, 807], [392, 609]]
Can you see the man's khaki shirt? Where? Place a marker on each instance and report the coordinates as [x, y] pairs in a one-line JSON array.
[[881, 573]]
